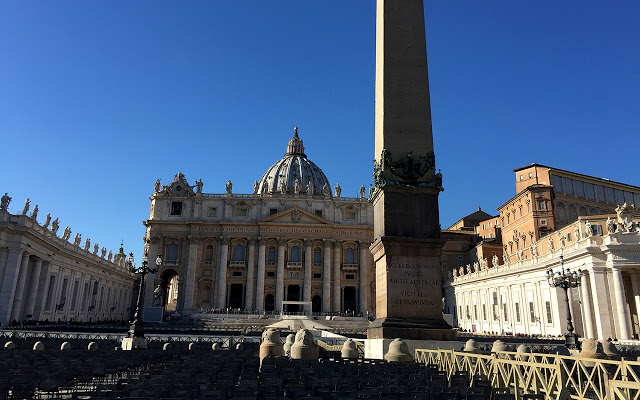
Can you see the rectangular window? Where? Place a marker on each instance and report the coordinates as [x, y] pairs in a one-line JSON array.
[[350, 215], [532, 312], [568, 236], [52, 282], [271, 274], [543, 222], [609, 195], [350, 276], [599, 193], [273, 211], [567, 185], [317, 275], [578, 188], [240, 212], [541, 205], [517, 308], [212, 212], [272, 256], [236, 273], [548, 307], [589, 191], [556, 182], [176, 208], [489, 224], [318, 213], [75, 295], [317, 257]]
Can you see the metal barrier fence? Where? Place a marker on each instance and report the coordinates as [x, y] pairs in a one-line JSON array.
[[557, 377]]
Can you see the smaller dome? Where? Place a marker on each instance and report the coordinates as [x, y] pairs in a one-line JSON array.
[[294, 173]]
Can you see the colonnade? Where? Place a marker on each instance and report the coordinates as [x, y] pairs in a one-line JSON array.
[[41, 287]]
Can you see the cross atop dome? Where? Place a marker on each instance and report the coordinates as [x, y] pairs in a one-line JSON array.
[[295, 146]]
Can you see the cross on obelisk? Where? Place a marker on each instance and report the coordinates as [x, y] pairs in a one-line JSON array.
[[407, 242]]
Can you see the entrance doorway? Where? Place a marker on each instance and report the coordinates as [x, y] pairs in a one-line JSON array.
[[170, 279], [350, 302], [316, 304], [293, 294], [235, 295], [269, 303]]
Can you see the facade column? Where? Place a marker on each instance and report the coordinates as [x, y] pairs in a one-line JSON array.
[[154, 250], [18, 301], [620, 299], [601, 303], [34, 289], [7, 291], [587, 308], [42, 291], [308, 259], [222, 273], [3, 262], [364, 277], [337, 295], [326, 276], [280, 274], [190, 281], [251, 276], [262, 266]]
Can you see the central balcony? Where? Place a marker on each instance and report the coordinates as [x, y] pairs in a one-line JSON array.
[[237, 264], [291, 265]]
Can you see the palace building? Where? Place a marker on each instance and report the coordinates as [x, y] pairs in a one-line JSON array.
[[556, 219], [291, 240]]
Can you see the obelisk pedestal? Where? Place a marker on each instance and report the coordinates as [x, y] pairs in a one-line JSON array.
[[407, 244]]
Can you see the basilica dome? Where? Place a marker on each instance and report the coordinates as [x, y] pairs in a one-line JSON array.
[[294, 174]]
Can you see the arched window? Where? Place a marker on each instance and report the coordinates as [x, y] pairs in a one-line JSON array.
[[238, 253], [295, 254], [208, 253], [562, 211], [583, 211], [573, 213], [349, 256], [172, 254]]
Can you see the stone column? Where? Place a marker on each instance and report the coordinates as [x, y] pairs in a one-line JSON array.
[[42, 290], [262, 266], [601, 303], [620, 299], [364, 277], [326, 276], [337, 272], [34, 289], [3, 262], [251, 276], [635, 282], [18, 301], [190, 281], [282, 243], [155, 248], [308, 264], [9, 283], [587, 308], [222, 273]]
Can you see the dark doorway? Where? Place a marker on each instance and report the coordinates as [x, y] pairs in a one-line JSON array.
[[169, 290], [316, 304], [350, 300], [235, 295], [269, 303], [293, 294]]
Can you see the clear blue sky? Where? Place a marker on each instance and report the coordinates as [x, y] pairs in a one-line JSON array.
[[98, 99]]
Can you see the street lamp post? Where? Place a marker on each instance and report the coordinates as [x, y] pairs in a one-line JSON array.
[[566, 279], [135, 336]]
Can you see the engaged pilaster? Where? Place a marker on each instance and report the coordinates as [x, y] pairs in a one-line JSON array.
[[262, 257], [222, 272], [282, 243], [326, 276], [251, 275]]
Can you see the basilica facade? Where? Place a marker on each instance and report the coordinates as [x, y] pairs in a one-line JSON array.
[[294, 244]]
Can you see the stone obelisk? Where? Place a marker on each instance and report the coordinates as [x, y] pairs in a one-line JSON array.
[[407, 242]]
